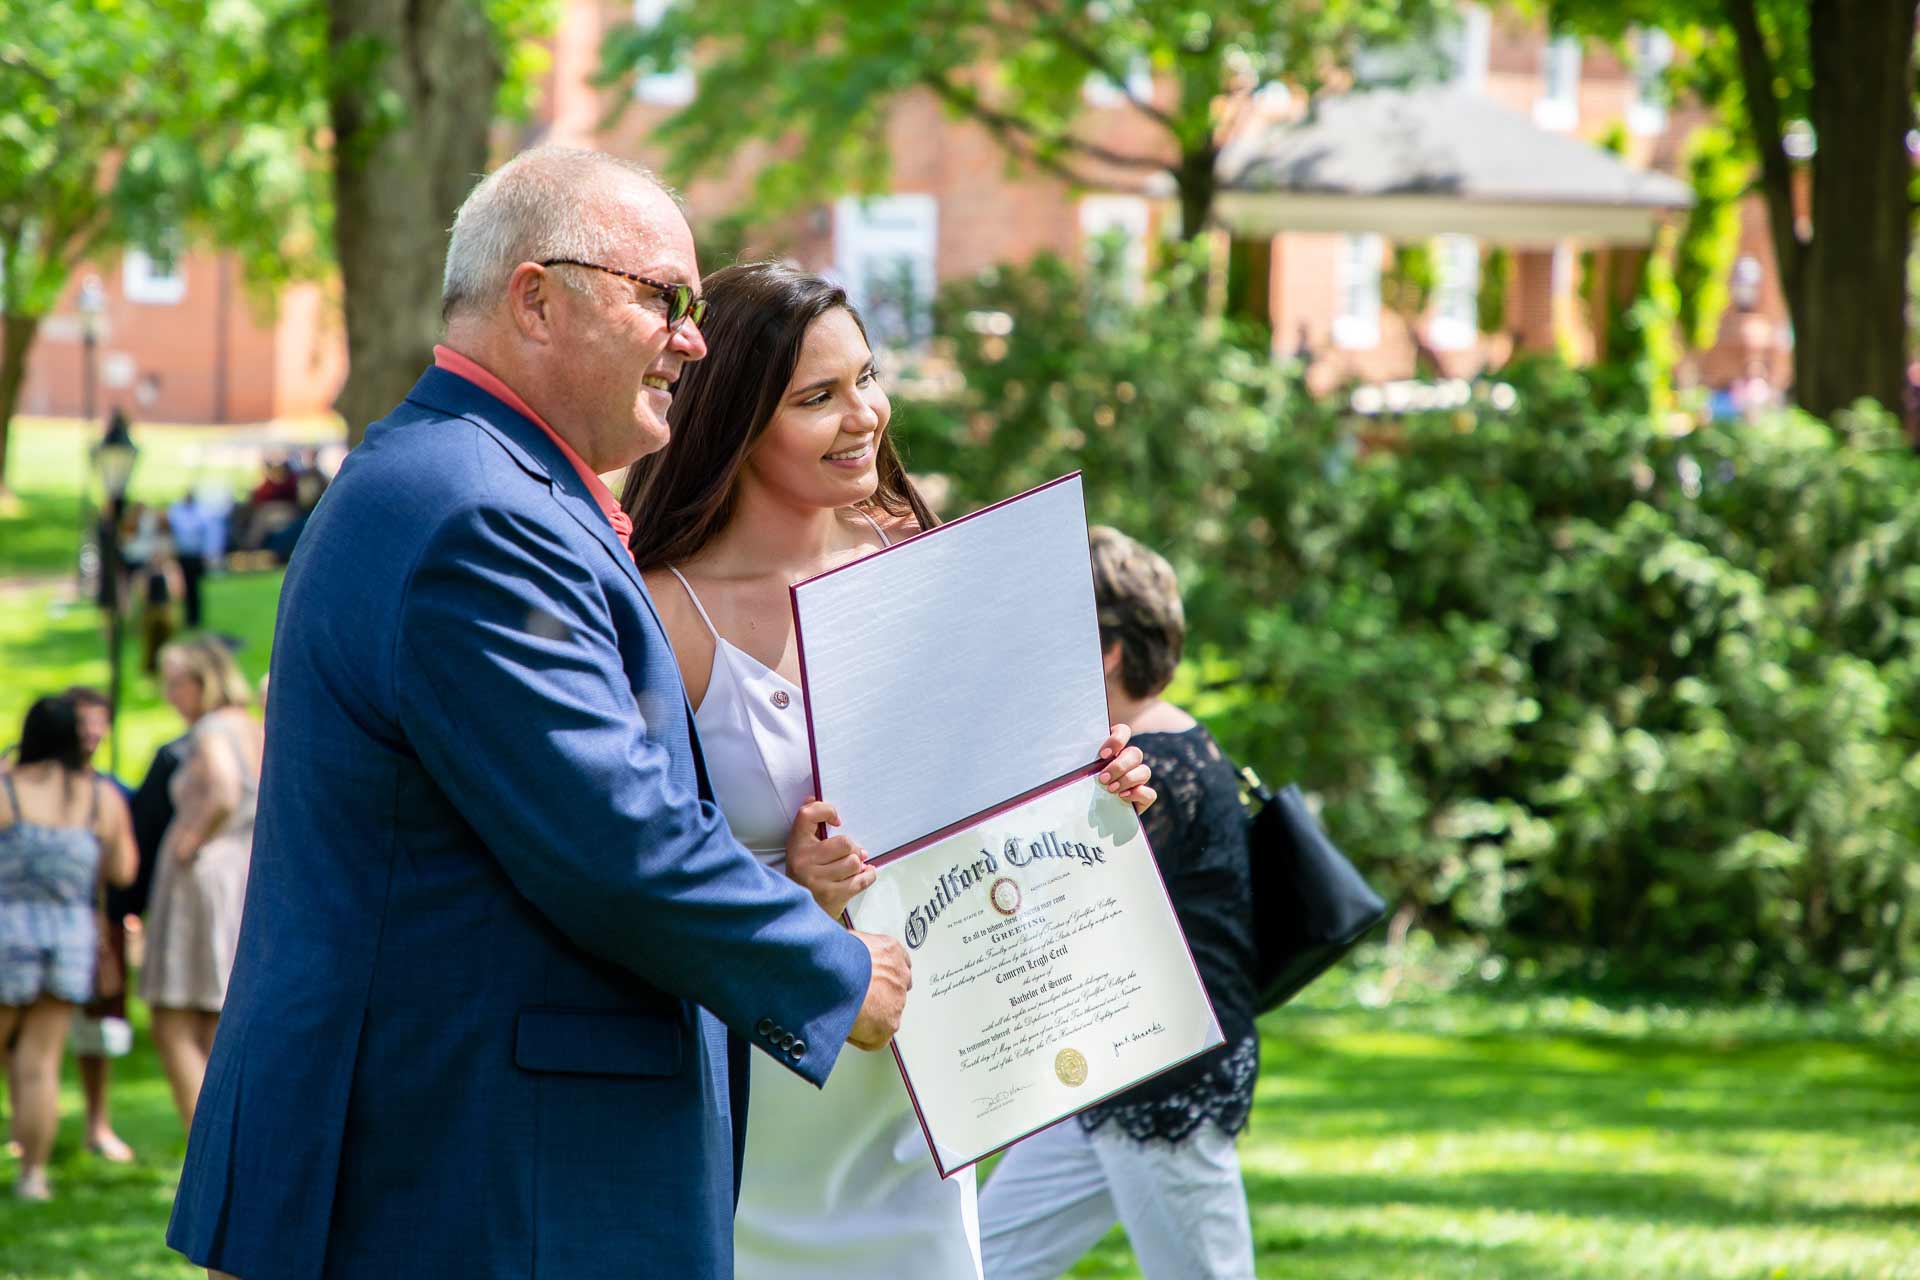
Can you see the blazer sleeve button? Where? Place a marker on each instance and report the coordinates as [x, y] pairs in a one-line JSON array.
[[799, 1050], [765, 1028]]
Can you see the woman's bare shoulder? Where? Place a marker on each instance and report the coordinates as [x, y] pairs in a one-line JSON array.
[[670, 601], [896, 527]]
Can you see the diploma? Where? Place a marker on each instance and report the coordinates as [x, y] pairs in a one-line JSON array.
[[1049, 969]]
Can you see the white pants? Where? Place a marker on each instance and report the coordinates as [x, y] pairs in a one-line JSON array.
[[1052, 1196]]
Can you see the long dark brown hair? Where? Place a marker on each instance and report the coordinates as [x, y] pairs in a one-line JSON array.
[[684, 495], [52, 732]]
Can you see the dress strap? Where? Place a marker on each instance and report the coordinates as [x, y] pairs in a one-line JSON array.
[[93, 804], [885, 541], [702, 609], [13, 797]]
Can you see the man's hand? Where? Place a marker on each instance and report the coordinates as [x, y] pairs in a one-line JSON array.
[[834, 870], [886, 993], [1127, 776]]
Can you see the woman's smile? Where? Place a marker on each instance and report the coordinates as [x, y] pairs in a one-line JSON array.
[[855, 457]]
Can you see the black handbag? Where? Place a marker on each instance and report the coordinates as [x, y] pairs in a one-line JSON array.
[[1310, 907]]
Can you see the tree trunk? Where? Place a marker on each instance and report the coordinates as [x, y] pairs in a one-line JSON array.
[[1196, 181], [16, 339], [397, 182], [1850, 329]]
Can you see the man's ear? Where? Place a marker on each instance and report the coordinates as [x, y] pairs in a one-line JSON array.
[[530, 299], [1110, 658]]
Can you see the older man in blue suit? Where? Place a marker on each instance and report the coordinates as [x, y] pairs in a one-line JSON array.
[[496, 934]]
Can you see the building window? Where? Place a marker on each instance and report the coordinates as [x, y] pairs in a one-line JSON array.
[[152, 280], [1455, 54], [1744, 283], [884, 251], [1467, 44], [1455, 322], [1125, 219], [1098, 91], [1559, 104], [663, 88], [1357, 325], [1652, 55]]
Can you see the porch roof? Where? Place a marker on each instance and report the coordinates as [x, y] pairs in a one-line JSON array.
[[1413, 163]]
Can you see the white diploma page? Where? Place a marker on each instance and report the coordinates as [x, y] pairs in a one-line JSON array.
[[955, 670], [1049, 971]]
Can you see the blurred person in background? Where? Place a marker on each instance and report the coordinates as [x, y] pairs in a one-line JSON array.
[[62, 828], [1158, 1158], [200, 880], [160, 588], [140, 525], [102, 1032], [192, 533]]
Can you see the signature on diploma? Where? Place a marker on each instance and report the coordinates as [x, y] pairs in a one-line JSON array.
[[1004, 1098], [1133, 1036]]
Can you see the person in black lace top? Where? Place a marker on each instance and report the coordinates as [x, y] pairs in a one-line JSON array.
[[1158, 1158]]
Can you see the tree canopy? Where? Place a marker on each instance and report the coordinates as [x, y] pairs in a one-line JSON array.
[[1822, 94], [147, 122], [817, 80]]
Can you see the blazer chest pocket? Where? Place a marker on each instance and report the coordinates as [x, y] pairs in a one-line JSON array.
[[594, 1042]]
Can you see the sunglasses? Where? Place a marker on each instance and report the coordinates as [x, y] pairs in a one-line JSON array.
[[682, 303]]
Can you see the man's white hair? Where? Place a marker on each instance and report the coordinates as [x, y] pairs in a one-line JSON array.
[[544, 203]]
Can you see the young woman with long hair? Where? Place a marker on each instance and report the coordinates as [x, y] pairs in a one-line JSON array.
[[780, 467], [63, 829]]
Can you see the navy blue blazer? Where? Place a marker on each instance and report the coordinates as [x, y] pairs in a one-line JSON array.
[[467, 1033]]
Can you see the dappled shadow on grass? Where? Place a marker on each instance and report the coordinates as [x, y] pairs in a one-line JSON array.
[[43, 537], [1282, 1250], [1658, 1199], [106, 1220], [75, 634], [1487, 1082], [1365, 1253]]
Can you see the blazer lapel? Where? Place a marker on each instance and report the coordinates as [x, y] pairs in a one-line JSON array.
[[536, 452]]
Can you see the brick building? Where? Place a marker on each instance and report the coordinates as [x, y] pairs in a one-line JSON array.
[[188, 344]]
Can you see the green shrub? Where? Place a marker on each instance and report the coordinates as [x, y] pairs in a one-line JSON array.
[[1642, 705]]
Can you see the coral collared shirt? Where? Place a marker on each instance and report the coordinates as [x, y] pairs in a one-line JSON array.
[[465, 367]]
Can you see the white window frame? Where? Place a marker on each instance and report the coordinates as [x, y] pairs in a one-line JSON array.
[[1558, 106], [1472, 51], [1131, 217], [1098, 91], [1560, 277], [1454, 324], [876, 235], [145, 281], [1652, 55], [673, 88], [1356, 319]]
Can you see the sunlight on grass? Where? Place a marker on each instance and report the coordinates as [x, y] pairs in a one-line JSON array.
[[47, 643], [50, 471], [1506, 1133], [1461, 1152]]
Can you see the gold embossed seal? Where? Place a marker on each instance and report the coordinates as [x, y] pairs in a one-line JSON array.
[[1071, 1066]]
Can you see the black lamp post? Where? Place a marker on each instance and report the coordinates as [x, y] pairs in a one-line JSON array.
[[113, 460], [91, 303]]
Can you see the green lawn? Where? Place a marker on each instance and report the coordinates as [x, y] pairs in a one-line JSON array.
[[1463, 1134], [1458, 1136], [47, 642], [49, 472]]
